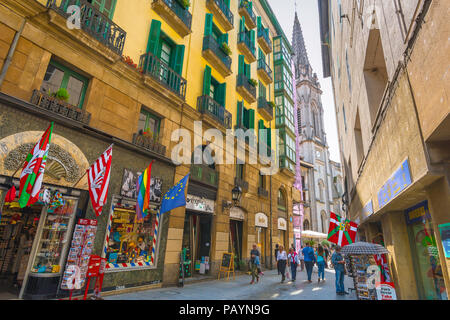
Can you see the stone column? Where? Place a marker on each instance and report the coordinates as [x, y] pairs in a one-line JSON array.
[[438, 195], [400, 260]]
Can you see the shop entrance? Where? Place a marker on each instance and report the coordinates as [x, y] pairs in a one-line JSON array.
[[427, 266], [197, 243], [236, 241], [17, 232], [261, 242]]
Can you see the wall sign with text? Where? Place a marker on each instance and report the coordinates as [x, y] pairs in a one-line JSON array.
[[396, 184]]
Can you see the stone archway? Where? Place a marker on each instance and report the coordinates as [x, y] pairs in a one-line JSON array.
[[66, 162]]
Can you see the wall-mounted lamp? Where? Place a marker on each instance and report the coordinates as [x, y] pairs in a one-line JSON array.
[[236, 195]]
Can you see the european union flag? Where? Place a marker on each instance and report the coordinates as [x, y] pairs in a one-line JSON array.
[[174, 198]]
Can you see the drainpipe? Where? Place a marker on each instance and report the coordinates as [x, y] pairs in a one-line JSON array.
[[11, 51]]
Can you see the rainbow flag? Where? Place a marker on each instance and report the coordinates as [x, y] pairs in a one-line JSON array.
[[143, 193]]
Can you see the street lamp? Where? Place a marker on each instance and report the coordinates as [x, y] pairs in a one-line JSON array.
[[236, 195]]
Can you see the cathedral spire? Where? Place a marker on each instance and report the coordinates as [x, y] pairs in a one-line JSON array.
[[298, 44]]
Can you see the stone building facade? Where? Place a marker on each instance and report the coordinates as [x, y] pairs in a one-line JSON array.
[[389, 70]]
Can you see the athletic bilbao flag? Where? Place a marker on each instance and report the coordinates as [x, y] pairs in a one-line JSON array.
[[98, 180], [341, 233], [33, 170]]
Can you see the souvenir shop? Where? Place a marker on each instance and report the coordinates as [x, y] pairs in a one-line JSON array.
[[261, 225], [196, 247], [282, 229], [34, 240]]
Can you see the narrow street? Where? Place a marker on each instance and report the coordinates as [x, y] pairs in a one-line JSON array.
[[269, 287]]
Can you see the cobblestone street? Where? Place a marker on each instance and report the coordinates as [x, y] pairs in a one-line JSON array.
[[269, 287]]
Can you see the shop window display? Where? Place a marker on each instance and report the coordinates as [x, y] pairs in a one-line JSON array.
[[130, 240]]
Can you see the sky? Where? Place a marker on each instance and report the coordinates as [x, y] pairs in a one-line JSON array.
[[308, 15]]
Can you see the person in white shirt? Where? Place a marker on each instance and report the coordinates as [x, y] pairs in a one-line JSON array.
[[282, 260]]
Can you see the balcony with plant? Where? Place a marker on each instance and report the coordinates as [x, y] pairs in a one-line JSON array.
[[265, 108], [222, 13], [217, 55], [149, 141], [176, 14], [246, 88], [246, 11]]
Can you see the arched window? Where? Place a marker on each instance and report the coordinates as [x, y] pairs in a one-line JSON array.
[[306, 225]]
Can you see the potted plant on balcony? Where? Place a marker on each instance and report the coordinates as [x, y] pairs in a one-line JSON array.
[[271, 104], [61, 95], [253, 82], [184, 3], [225, 48]]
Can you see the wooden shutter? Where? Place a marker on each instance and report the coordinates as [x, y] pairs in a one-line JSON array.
[[225, 38], [262, 90], [260, 126], [241, 66], [258, 22], [269, 137], [208, 24], [244, 116], [222, 93], [252, 37], [261, 55], [153, 38], [247, 70], [251, 119], [227, 3], [179, 57], [239, 113], [207, 81], [250, 6], [242, 25]]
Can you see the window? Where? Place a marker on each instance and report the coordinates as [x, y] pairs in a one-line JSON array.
[[349, 76], [281, 201], [240, 171], [104, 6], [345, 120], [306, 225], [58, 76], [149, 124], [262, 181]]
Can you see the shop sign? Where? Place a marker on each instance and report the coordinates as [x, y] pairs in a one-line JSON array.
[[199, 204], [282, 224], [367, 210], [386, 291], [444, 230], [396, 184], [417, 213], [237, 213], [261, 220]]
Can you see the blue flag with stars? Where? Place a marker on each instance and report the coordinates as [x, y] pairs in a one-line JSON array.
[[174, 198]]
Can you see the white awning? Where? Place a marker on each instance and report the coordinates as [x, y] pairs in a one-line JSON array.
[[313, 234]]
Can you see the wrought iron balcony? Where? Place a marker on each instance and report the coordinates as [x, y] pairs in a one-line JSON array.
[[161, 72], [247, 12], [245, 88], [204, 174], [222, 13], [95, 23], [149, 143], [241, 183], [246, 46], [208, 105], [264, 71], [263, 193], [264, 40], [56, 106], [213, 52], [265, 109], [177, 16]]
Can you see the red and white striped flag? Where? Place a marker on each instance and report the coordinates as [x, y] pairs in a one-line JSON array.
[[98, 180]]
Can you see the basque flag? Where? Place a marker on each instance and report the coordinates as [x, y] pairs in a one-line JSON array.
[[341, 233], [98, 180]]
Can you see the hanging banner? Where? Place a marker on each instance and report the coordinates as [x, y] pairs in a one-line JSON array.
[[386, 291]]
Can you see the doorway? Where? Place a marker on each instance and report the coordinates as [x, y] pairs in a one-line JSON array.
[[261, 243], [236, 241]]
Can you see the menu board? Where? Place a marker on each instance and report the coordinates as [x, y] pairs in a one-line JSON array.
[[79, 254], [362, 278]]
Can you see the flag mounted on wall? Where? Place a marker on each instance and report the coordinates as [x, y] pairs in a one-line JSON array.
[[143, 192], [98, 180], [33, 170], [175, 197], [341, 233]]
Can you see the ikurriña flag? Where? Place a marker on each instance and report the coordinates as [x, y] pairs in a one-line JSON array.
[[33, 170], [98, 180], [341, 232]]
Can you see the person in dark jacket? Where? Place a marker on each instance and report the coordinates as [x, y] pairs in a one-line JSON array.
[[276, 258], [339, 266]]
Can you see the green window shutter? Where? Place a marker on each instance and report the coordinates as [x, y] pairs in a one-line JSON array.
[[225, 38], [222, 93], [260, 126], [261, 55], [178, 60], [241, 64], [242, 25], [153, 38], [250, 5], [245, 117], [239, 113], [251, 118], [247, 70], [252, 37], [208, 24], [258, 22], [262, 90], [269, 137], [227, 3], [206, 81]]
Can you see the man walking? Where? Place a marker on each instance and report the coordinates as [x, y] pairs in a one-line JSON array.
[[339, 266], [309, 258]]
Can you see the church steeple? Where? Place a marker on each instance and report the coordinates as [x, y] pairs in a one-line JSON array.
[[298, 44]]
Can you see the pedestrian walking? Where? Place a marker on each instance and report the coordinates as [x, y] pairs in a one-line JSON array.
[[255, 251], [339, 266], [320, 262], [253, 266], [282, 261], [293, 263], [276, 258], [327, 254], [310, 259], [301, 257]]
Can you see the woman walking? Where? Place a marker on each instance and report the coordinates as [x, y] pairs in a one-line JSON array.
[[320, 262], [282, 261], [293, 262], [253, 266]]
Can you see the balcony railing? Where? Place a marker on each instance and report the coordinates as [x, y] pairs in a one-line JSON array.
[[209, 43], [264, 71], [225, 10], [263, 33], [176, 9], [53, 105], [208, 105], [250, 16], [243, 82], [265, 108], [94, 23], [243, 37], [149, 143], [161, 72], [204, 174]]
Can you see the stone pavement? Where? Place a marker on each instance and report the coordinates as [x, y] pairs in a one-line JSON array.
[[268, 288]]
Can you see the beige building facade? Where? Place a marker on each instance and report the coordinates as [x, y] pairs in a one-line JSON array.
[[389, 71]]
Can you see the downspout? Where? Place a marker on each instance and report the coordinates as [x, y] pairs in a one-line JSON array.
[[11, 51]]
